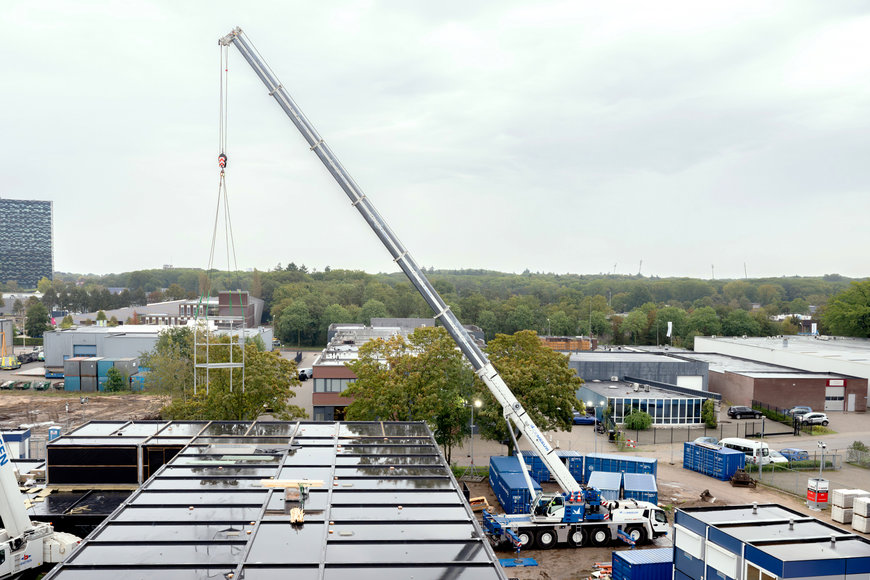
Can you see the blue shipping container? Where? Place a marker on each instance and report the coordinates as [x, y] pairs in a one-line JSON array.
[[501, 464], [512, 492], [535, 464], [619, 464], [72, 384], [104, 365], [607, 483], [653, 564], [640, 486], [718, 462], [573, 460]]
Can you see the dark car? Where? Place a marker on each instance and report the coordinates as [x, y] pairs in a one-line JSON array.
[[743, 412], [798, 411]]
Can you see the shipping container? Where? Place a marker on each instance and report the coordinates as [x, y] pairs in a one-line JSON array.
[[512, 492], [127, 366], [137, 382], [608, 483], [573, 460], [72, 366], [104, 365], [89, 366], [88, 384], [640, 486], [72, 383], [712, 460], [653, 564], [501, 464], [619, 464]]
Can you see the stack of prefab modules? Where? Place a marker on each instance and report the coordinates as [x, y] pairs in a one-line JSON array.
[[128, 367], [619, 464], [843, 501], [656, 564], [72, 373], [573, 460], [861, 514], [609, 484], [89, 373], [640, 486], [509, 485], [712, 460]]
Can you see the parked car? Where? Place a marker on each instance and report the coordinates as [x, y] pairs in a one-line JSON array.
[[777, 457], [580, 419], [798, 411], [305, 374], [743, 412], [815, 419], [795, 454], [707, 440]]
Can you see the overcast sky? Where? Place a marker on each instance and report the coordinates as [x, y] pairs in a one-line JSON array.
[[555, 136]]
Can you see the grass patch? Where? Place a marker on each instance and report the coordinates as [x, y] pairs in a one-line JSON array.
[[460, 470]]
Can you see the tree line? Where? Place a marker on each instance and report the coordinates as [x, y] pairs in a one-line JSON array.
[[303, 302]]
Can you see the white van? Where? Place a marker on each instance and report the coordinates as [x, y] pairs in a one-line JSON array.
[[756, 452]]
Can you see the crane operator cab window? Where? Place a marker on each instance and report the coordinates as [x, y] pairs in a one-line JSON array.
[[556, 506]]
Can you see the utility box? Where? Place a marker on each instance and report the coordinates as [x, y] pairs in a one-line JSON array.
[[817, 493], [53, 433]]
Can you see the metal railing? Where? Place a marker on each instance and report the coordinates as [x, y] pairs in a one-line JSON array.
[[683, 433]]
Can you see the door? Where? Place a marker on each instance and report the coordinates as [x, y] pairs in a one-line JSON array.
[[850, 403], [835, 398]]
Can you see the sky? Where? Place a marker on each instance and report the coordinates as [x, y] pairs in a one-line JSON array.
[[667, 138]]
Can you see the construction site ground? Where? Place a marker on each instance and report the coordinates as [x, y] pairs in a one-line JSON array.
[[677, 487]]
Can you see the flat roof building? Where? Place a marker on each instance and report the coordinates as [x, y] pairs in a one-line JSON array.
[[825, 354], [379, 502], [639, 366], [666, 406]]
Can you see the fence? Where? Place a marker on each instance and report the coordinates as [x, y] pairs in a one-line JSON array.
[[782, 417], [858, 457], [795, 481], [683, 433]]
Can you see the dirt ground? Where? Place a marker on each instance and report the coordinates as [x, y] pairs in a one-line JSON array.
[[41, 410]]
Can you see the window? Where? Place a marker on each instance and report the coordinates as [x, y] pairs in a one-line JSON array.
[[661, 517], [331, 385], [754, 573]]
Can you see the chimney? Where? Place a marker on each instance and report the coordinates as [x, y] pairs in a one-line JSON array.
[[791, 524], [755, 507]]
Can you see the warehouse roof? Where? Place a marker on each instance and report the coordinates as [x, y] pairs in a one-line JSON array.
[[382, 503], [626, 389], [622, 356]]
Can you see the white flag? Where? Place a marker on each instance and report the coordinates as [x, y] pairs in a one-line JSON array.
[[670, 328]]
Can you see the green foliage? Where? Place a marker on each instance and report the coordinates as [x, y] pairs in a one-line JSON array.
[[101, 315], [67, 321], [848, 313], [739, 323], [708, 413], [538, 376], [423, 378], [638, 420], [267, 388], [859, 446], [116, 382], [37, 319]]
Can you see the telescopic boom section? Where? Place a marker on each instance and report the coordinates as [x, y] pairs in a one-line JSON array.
[[484, 369]]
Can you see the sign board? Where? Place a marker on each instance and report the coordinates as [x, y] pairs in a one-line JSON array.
[[53, 433]]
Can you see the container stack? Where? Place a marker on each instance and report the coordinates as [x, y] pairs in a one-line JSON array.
[[861, 515], [89, 373], [619, 464], [609, 484], [655, 564], [640, 486], [843, 501], [509, 486], [712, 460], [72, 373]]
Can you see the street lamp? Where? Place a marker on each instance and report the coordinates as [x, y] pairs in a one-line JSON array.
[[595, 424], [471, 405], [822, 445], [549, 332]]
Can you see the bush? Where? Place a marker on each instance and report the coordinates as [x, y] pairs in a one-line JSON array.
[[638, 420], [116, 382], [708, 413]]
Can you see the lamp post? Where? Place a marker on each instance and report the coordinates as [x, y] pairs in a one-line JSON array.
[[549, 332], [595, 424], [472, 405]]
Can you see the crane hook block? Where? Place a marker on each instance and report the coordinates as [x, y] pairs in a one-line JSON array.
[[222, 160]]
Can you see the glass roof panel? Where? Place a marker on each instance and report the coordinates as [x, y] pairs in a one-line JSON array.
[[398, 483], [206, 553], [393, 514], [399, 532], [219, 471], [276, 540], [183, 514], [392, 471], [159, 573], [406, 429], [343, 460], [344, 496], [361, 430], [316, 430], [155, 532], [185, 429], [274, 429], [95, 429], [388, 450], [282, 573], [188, 484], [316, 473], [199, 497], [388, 553], [375, 572], [316, 456], [227, 428], [137, 429]]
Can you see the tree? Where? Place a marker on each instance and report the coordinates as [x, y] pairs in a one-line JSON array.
[[175, 292], [635, 323], [539, 377], [638, 420], [708, 413], [372, 309], [37, 319], [170, 362], [116, 381], [294, 320], [113, 321], [43, 285], [740, 323], [704, 321], [421, 378], [101, 315], [67, 321], [848, 313]]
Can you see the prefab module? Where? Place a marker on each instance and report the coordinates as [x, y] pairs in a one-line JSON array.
[[764, 542]]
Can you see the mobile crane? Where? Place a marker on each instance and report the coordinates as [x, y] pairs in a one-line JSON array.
[[25, 545], [576, 516]]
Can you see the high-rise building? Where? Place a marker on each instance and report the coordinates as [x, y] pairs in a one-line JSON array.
[[26, 248]]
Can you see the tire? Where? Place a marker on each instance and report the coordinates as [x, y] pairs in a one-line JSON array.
[[758, 415], [636, 533], [824, 423], [527, 538], [546, 539], [599, 537], [577, 538]]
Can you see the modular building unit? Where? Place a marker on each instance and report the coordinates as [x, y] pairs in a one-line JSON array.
[[619, 464], [764, 542], [512, 492], [652, 564], [17, 442], [382, 504]]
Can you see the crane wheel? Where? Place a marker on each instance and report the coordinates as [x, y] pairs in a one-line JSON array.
[[527, 539], [636, 533], [546, 539], [599, 536], [577, 537]]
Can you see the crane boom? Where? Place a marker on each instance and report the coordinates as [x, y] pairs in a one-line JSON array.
[[513, 410]]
